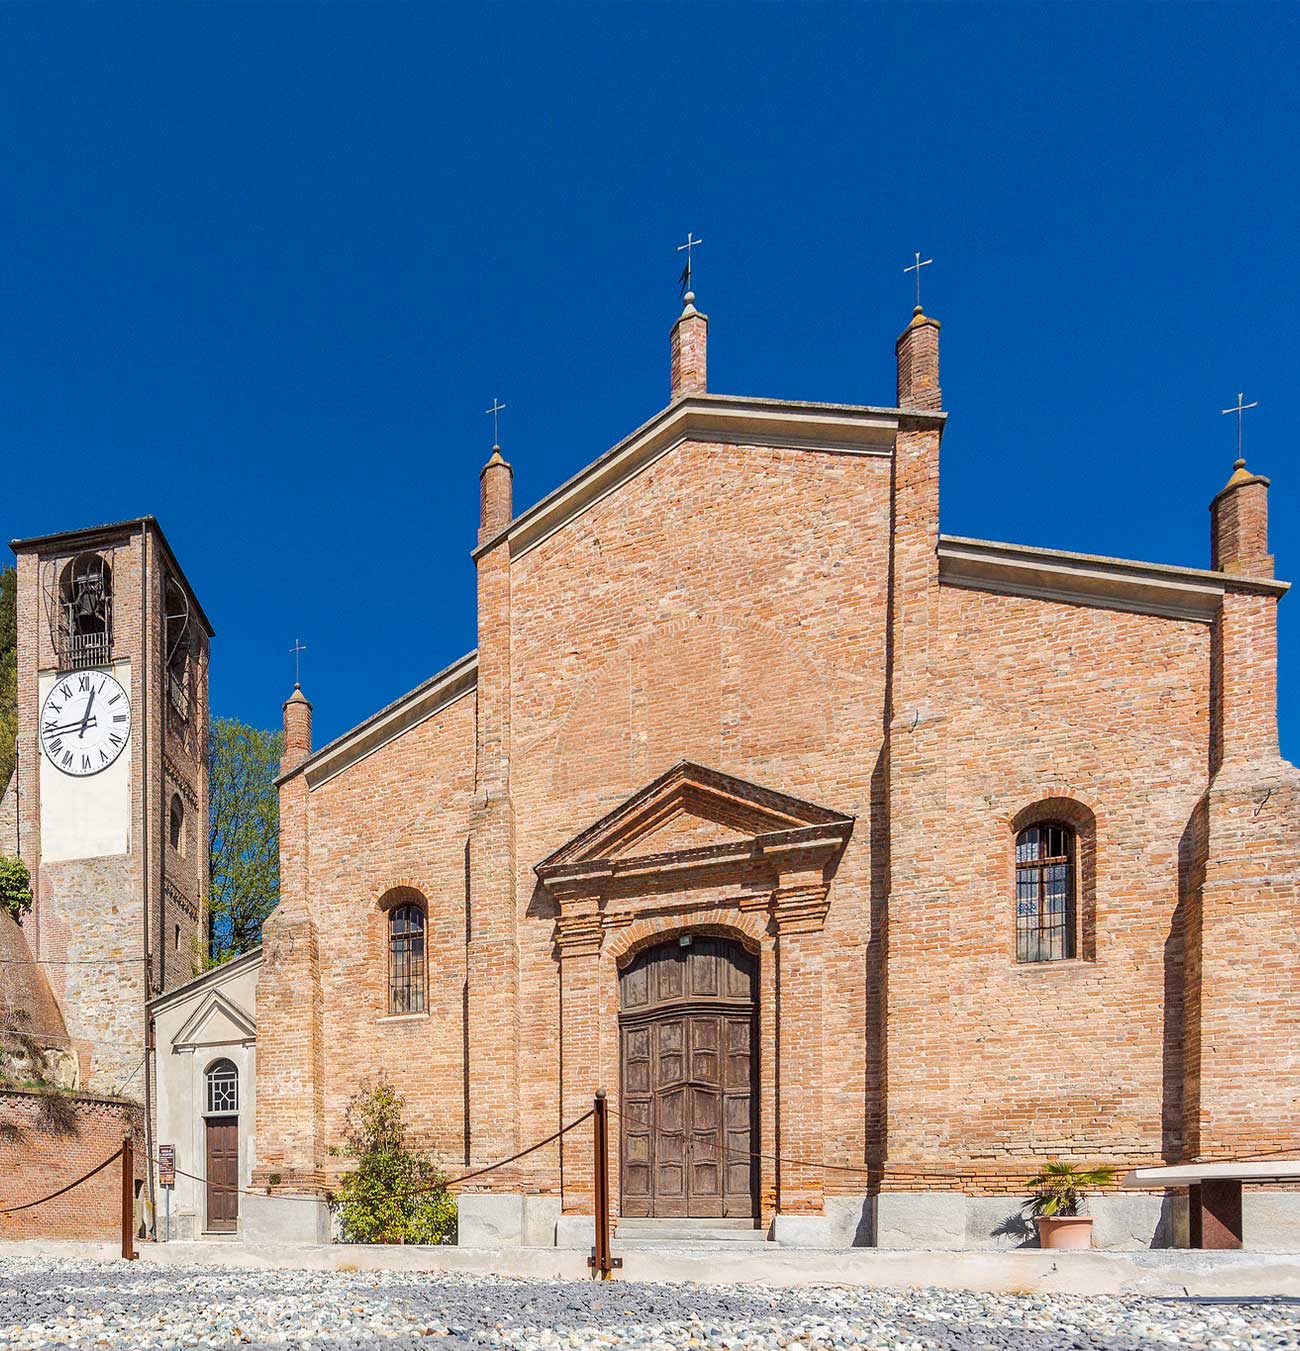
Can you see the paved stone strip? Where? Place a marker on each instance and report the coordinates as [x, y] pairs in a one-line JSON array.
[[115, 1306]]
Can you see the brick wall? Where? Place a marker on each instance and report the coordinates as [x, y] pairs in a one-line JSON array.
[[44, 1147]]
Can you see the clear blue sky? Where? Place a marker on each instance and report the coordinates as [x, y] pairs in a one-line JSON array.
[[261, 270]]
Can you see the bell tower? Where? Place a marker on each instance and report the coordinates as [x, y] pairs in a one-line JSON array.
[[111, 792]]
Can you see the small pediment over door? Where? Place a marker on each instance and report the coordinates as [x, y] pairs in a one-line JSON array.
[[694, 817], [217, 1021]]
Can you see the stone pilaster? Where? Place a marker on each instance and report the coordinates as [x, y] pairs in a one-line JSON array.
[[799, 907], [492, 957], [582, 1011]]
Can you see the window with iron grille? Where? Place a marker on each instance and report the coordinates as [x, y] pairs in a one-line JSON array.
[[1045, 893], [406, 959], [222, 1089]]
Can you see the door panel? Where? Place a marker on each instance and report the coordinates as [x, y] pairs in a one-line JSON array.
[[223, 1173], [688, 1079]]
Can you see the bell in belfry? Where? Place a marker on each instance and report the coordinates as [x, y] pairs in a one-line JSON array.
[[88, 598]]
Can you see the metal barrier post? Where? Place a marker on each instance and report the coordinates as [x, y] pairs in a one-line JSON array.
[[600, 1260], [128, 1200]]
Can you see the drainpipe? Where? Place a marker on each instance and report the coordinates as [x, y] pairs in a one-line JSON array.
[[146, 585]]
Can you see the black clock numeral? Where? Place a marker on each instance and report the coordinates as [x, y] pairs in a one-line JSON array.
[[85, 761], [83, 682], [56, 709], [115, 698], [119, 717], [103, 756], [115, 739], [56, 745], [66, 691], [67, 758]]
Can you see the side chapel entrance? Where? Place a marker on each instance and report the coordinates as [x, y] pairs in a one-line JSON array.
[[688, 1044]]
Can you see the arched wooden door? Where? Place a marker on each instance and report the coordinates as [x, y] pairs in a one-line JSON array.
[[688, 1049]]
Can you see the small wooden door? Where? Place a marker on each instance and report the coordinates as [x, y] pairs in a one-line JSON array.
[[223, 1174], [688, 1083]]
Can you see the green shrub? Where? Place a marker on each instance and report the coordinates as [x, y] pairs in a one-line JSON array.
[[374, 1202], [1058, 1191], [15, 887]]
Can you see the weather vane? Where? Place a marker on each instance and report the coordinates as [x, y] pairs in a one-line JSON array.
[[496, 410], [297, 649], [1239, 409], [916, 267], [691, 243]]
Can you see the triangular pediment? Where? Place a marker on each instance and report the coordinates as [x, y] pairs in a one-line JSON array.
[[692, 812], [217, 1021]]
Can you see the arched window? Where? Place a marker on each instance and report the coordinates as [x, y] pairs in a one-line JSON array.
[[176, 824], [86, 612], [222, 1096], [178, 637], [406, 959], [1045, 920]]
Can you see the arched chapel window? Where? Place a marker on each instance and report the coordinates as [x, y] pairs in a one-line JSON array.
[[406, 959], [1045, 892], [222, 1096], [176, 824]]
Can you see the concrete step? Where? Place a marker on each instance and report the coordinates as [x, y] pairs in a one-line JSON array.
[[684, 1236]]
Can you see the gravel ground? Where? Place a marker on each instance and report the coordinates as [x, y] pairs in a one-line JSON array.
[[60, 1303]]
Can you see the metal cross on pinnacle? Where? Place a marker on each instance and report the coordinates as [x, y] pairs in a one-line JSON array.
[[297, 649], [496, 410], [916, 267], [691, 243], [1239, 409]]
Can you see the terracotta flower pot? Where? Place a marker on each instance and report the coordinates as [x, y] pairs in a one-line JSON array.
[[1064, 1231]]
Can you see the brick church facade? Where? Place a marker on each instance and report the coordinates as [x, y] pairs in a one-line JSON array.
[[865, 867]]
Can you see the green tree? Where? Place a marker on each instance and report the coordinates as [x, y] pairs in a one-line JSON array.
[[396, 1194], [243, 835], [15, 887], [8, 673]]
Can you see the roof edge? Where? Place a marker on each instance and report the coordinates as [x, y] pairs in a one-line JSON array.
[[1159, 589], [840, 427], [388, 722], [90, 533], [212, 976]]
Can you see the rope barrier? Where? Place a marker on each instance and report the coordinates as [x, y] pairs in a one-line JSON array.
[[395, 1196], [864, 1172], [114, 1157]]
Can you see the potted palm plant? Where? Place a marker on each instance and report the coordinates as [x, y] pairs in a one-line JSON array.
[[1055, 1198]]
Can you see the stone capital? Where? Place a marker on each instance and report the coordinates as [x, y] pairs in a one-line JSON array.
[[800, 907]]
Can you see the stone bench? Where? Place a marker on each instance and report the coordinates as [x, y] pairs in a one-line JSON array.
[[1213, 1194]]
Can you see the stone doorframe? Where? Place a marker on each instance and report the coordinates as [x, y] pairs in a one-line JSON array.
[[763, 879]]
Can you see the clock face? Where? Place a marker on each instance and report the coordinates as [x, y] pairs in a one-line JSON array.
[[85, 722]]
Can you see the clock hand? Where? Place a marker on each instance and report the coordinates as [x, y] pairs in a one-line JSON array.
[[68, 726], [85, 717]]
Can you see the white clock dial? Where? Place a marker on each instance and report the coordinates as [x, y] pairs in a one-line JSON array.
[[85, 722]]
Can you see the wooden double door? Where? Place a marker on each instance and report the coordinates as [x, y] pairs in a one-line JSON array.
[[688, 1016]]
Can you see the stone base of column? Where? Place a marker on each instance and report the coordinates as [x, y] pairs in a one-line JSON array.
[[284, 1218], [506, 1220], [803, 1231]]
